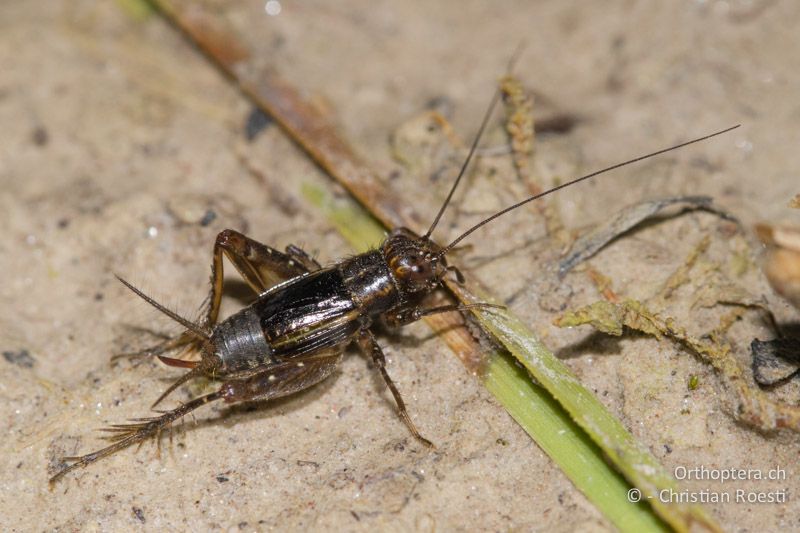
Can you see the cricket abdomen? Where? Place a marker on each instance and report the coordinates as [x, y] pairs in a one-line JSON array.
[[240, 343]]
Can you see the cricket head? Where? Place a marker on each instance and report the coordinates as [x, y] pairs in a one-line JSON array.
[[417, 263]]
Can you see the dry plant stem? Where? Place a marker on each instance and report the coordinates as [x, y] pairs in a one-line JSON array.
[[537, 411], [681, 275], [520, 129], [603, 283], [752, 405], [633, 459], [522, 134], [312, 130]]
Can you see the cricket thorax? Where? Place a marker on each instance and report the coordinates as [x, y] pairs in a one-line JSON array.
[[370, 283]]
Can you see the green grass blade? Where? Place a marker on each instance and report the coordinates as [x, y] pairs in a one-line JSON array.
[[630, 457], [568, 445]]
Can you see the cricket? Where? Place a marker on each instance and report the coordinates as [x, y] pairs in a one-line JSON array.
[[306, 315]]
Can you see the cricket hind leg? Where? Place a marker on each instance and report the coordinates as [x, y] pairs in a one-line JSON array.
[[197, 370], [277, 381], [124, 435], [260, 266], [283, 379], [369, 345], [303, 257]]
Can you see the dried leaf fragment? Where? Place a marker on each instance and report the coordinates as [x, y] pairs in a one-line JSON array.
[[522, 137], [519, 126], [752, 405], [611, 317]]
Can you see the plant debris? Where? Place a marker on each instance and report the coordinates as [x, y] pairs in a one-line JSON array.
[[317, 135], [520, 129], [778, 360], [752, 406], [428, 147]]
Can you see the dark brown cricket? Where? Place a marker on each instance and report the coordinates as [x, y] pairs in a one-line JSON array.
[[294, 334]]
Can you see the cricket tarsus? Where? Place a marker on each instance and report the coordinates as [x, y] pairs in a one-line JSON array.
[[369, 344], [294, 334]]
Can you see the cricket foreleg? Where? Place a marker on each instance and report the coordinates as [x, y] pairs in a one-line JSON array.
[[370, 347], [125, 435]]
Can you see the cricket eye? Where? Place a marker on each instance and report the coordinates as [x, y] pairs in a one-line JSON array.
[[414, 270]]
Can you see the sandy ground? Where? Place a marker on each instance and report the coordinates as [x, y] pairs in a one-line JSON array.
[[118, 139]]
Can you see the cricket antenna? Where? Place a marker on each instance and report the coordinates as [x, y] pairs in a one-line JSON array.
[[496, 98], [192, 328], [464, 235], [464, 166]]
